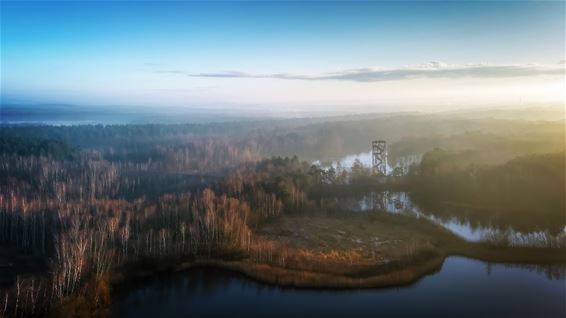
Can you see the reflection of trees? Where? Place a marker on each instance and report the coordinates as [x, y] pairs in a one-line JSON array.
[[478, 219], [498, 231], [509, 237], [378, 200], [381, 201], [526, 193], [550, 271]]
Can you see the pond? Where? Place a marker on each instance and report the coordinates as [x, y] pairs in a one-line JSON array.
[[462, 288], [455, 220]]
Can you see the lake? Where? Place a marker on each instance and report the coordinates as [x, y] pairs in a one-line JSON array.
[[455, 220], [462, 288]]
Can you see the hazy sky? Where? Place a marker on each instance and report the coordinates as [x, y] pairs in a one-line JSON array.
[[374, 56]]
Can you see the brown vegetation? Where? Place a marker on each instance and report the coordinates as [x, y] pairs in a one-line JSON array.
[[148, 198]]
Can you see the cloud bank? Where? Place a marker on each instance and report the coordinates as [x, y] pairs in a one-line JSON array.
[[428, 70]]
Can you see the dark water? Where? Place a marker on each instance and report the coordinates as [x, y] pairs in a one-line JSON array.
[[454, 220], [514, 231], [463, 288]]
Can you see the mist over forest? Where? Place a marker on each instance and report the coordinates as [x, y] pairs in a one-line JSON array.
[[81, 204], [282, 159]]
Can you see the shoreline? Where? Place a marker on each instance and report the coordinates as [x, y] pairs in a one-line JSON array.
[[291, 278], [398, 270], [396, 275]]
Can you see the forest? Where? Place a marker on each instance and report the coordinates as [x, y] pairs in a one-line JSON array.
[[80, 205], [526, 190]]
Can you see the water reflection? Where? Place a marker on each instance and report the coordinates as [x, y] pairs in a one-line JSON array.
[[460, 222], [401, 203], [463, 288]]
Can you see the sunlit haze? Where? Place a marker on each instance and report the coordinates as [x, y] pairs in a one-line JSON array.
[[283, 159]]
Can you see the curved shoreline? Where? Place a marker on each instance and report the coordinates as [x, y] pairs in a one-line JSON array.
[[378, 277], [285, 277], [397, 271]]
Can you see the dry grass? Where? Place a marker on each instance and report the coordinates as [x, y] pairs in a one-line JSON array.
[[350, 241], [309, 279], [354, 251]]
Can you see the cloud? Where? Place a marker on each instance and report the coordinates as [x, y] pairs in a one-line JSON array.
[[428, 70]]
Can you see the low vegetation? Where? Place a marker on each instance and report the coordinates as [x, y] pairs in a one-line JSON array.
[[85, 208]]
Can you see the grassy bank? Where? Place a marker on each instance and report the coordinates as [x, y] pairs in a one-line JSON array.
[[385, 276], [322, 251]]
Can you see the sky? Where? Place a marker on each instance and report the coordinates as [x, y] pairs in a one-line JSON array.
[[285, 55]]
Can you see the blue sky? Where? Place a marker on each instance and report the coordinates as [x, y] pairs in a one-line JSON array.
[[280, 53]]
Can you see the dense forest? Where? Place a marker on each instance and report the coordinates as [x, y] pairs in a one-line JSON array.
[[72, 212], [524, 191], [87, 201], [495, 139]]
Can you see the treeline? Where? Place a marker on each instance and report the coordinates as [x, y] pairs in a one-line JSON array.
[[30, 178], [70, 212], [89, 175], [287, 180], [54, 148], [86, 240], [485, 146], [527, 191], [195, 154], [408, 136]]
